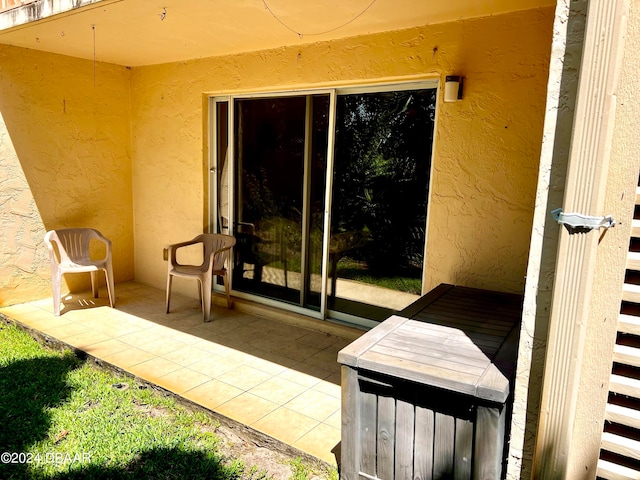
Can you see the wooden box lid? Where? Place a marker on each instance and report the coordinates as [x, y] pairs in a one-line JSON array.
[[456, 338]]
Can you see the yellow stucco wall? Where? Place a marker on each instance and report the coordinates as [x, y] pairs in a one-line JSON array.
[[65, 159], [124, 150], [486, 147]]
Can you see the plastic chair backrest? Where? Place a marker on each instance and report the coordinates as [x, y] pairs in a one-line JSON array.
[[73, 244], [212, 243]]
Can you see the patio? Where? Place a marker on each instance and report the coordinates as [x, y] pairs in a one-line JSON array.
[[277, 375]]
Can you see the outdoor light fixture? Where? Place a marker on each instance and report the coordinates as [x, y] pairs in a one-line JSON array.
[[453, 88]]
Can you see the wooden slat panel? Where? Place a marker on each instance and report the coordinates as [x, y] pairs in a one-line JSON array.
[[443, 448], [349, 354], [631, 293], [497, 375], [423, 461], [404, 440], [625, 386], [368, 428], [629, 324], [617, 414], [469, 314], [416, 331], [439, 347], [612, 471], [624, 446], [451, 342], [349, 443], [468, 323], [464, 317], [493, 385], [489, 442], [623, 415], [393, 349], [627, 355], [477, 301], [418, 372], [386, 437], [633, 261], [427, 331], [463, 461], [425, 300]]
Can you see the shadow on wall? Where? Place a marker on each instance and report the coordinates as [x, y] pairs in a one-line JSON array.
[[24, 261], [64, 149]]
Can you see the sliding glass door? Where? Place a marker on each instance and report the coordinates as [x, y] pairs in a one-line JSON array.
[[326, 194], [280, 172], [380, 189]]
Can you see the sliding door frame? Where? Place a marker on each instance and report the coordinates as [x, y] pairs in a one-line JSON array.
[[214, 163]]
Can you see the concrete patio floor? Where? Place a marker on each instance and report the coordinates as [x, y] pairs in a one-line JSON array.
[[273, 372]]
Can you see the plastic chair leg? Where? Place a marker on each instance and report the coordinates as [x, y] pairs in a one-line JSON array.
[[94, 284], [56, 279], [206, 297], [226, 288], [169, 277], [110, 288]]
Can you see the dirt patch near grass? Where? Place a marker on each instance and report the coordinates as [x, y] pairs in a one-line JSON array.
[[267, 457]]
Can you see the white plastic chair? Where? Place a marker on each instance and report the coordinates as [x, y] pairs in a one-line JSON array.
[[69, 253], [215, 252]]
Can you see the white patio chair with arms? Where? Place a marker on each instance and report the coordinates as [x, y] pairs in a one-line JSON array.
[[69, 252], [215, 251]]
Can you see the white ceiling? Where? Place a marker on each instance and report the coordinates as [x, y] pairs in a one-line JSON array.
[[143, 32]]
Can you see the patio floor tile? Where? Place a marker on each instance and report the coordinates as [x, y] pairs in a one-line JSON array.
[[44, 321], [129, 357], [179, 381], [244, 377], [154, 368], [278, 378], [247, 408], [106, 348], [300, 377], [163, 345], [278, 390], [187, 355], [86, 338], [320, 441], [264, 361], [212, 393], [330, 386], [214, 366], [334, 420], [62, 332], [285, 425], [314, 404]]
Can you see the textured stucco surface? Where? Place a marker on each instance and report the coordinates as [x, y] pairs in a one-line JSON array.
[[609, 271], [486, 147], [564, 66], [65, 158]]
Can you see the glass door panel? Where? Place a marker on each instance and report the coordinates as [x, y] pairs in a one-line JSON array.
[[279, 173], [382, 166]]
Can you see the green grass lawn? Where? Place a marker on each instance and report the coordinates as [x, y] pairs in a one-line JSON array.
[[62, 417], [358, 271]]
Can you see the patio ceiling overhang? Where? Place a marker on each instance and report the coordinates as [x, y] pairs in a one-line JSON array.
[[142, 32]]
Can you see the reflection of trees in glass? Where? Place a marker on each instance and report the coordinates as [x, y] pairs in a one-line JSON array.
[[382, 165], [270, 150]]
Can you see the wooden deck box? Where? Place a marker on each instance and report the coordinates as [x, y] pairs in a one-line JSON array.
[[426, 394]]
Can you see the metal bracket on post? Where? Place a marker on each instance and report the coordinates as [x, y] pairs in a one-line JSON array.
[[578, 223]]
